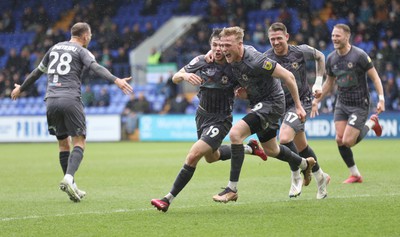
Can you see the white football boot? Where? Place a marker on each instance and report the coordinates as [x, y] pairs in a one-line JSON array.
[[80, 193], [297, 184], [322, 184], [68, 187]]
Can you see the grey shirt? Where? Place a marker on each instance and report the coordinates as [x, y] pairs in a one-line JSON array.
[[64, 64], [254, 73], [216, 91], [296, 62], [350, 73]]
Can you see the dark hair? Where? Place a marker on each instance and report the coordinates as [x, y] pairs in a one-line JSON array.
[[215, 33], [79, 29]]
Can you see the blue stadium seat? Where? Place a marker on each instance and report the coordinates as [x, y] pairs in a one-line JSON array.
[[330, 23]]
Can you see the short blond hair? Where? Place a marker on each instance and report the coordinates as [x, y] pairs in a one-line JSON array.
[[344, 27], [235, 30]]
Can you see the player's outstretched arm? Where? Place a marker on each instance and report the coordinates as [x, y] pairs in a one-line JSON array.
[[104, 73], [124, 85], [30, 80]]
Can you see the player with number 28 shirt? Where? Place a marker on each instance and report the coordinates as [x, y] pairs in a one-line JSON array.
[[65, 63]]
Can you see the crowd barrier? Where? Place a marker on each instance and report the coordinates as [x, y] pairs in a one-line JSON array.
[[163, 128], [183, 127]]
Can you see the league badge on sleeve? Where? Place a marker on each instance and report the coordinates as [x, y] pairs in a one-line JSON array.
[[267, 65], [194, 61]]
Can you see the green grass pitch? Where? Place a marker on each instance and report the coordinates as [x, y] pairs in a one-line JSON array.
[[122, 178]]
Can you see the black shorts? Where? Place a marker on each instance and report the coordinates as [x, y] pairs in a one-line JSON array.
[[264, 118], [212, 128], [356, 116], [292, 120], [66, 117]]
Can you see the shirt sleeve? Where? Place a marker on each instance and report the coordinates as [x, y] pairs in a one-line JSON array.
[[365, 61], [195, 64], [87, 57], [266, 64], [308, 52], [45, 61]]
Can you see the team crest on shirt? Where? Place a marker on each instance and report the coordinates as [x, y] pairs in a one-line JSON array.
[[295, 65], [224, 80], [350, 65], [211, 71], [267, 65], [194, 61], [245, 77]]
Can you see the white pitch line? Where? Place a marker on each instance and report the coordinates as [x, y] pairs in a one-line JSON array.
[[182, 207]]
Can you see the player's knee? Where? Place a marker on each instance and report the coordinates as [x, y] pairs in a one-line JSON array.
[[211, 159], [235, 136], [285, 139], [339, 140], [348, 143], [193, 157], [64, 145]]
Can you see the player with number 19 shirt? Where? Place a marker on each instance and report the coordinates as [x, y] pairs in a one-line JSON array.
[[213, 116]]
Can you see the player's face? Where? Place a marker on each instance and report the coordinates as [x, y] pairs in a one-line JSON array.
[[278, 40], [87, 37], [216, 50], [231, 48], [339, 38]]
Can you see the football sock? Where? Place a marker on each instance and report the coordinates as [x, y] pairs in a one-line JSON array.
[[364, 132], [370, 124], [169, 198], [247, 149], [307, 152], [296, 173], [74, 160], [64, 155], [232, 186], [236, 161], [347, 155], [293, 148], [225, 152], [182, 179], [303, 164], [318, 174], [69, 178], [285, 154], [354, 171]]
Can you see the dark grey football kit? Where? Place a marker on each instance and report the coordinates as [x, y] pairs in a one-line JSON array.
[[216, 94], [296, 62], [353, 94]]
